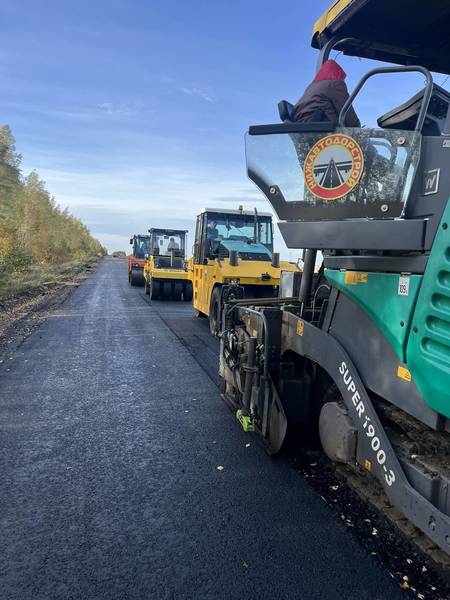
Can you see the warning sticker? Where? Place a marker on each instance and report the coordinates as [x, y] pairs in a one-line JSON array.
[[404, 373]]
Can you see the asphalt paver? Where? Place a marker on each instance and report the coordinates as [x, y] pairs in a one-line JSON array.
[[124, 475]]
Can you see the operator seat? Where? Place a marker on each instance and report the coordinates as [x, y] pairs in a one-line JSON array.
[[286, 112]]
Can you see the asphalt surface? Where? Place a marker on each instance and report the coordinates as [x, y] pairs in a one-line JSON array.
[[112, 431]]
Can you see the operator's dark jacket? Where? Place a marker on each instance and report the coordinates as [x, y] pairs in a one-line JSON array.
[[328, 96]]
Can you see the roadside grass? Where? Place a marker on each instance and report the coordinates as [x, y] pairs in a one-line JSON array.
[[40, 278]]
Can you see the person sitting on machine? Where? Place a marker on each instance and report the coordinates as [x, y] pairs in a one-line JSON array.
[[213, 238], [173, 245], [325, 96], [212, 232]]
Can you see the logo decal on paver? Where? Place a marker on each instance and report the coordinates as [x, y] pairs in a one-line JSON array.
[[333, 166]]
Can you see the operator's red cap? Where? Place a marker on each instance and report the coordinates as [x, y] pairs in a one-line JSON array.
[[330, 71]]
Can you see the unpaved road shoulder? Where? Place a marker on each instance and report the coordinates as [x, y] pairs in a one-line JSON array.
[[20, 315]]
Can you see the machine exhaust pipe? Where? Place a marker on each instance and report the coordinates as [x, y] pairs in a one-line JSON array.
[[233, 258], [276, 260]]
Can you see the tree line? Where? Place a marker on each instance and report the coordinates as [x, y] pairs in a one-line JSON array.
[[34, 230]]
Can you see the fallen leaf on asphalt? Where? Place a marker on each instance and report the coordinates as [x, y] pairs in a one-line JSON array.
[[220, 468], [186, 411], [409, 561], [424, 569], [334, 487], [244, 564], [405, 585], [374, 531], [247, 445]]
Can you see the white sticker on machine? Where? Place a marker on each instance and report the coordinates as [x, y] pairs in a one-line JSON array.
[[403, 285]]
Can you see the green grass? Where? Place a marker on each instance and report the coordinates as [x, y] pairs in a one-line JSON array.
[[42, 277]]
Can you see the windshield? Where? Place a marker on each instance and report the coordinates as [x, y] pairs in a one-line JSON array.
[[347, 174], [165, 243], [141, 247], [239, 228]]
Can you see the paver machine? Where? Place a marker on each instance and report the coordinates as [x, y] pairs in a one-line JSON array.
[[137, 259], [361, 355], [233, 258], [166, 275]]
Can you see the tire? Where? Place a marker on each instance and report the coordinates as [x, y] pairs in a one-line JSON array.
[[166, 290], [177, 290], [214, 311], [146, 287], [187, 292], [155, 288]]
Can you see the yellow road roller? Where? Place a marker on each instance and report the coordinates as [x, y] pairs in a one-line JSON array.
[[165, 271], [233, 258]]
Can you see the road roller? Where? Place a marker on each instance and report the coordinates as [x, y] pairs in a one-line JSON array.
[[137, 259], [166, 276], [233, 258]]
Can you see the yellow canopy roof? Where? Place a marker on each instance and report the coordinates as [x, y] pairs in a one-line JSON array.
[[396, 31]]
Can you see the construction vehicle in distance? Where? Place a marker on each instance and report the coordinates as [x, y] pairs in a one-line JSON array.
[[136, 260], [233, 258], [165, 271], [360, 353]]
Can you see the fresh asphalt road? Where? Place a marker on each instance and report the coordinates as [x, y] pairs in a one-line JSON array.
[[112, 430]]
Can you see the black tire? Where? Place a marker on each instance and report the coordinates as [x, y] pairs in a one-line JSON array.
[[155, 288], [214, 311], [187, 291], [177, 290], [166, 291]]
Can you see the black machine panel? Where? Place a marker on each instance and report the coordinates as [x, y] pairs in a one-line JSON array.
[[405, 116]]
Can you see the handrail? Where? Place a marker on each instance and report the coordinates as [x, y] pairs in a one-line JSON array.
[[381, 70]]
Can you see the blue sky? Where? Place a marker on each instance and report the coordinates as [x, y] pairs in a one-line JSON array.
[[134, 112]]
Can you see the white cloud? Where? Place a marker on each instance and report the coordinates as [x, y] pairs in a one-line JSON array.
[[115, 205], [195, 91]]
